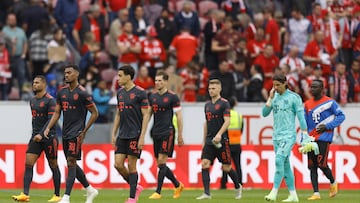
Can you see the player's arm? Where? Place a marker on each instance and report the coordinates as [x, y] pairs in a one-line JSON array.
[[94, 115], [268, 106], [146, 117], [223, 128], [51, 111], [116, 125], [179, 119], [299, 109], [205, 132], [53, 120], [339, 118]]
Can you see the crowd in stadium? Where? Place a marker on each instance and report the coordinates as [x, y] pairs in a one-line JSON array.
[[241, 42]]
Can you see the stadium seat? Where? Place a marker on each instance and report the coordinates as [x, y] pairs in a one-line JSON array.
[[205, 6], [179, 5]]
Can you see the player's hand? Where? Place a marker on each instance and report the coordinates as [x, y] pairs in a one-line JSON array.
[[180, 140], [217, 139], [46, 133], [37, 138], [320, 128], [141, 143], [272, 93]]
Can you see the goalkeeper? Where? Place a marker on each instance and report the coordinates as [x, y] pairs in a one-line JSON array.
[[285, 105], [322, 115]]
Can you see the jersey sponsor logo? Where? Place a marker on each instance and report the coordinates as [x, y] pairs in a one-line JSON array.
[[121, 106], [208, 116], [316, 117], [33, 113], [76, 96]]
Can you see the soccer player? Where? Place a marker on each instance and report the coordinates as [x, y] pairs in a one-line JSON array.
[[235, 132], [322, 115], [285, 105], [131, 119], [42, 108], [216, 141], [74, 102], [164, 103]]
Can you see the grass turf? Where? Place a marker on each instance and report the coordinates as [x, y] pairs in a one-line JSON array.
[[187, 196]]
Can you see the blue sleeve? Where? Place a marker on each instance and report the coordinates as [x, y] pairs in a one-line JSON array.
[[58, 13], [339, 116], [299, 109], [266, 110], [100, 99]]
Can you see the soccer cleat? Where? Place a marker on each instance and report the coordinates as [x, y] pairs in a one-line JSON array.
[[21, 198], [155, 195], [91, 194], [314, 197], [64, 201], [238, 193], [204, 196], [139, 189], [271, 196], [54, 198], [291, 198], [130, 200], [333, 189], [178, 190]]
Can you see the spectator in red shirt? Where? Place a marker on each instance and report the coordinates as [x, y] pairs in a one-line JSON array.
[[268, 61], [320, 52], [5, 72], [144, 80], [257, 46], [190, 82], [185, 46], [316, 18], [90, 21], [272, 31], [153, 54], [129, 47]]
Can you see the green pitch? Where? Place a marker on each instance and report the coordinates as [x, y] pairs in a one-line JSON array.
[[188, 196]]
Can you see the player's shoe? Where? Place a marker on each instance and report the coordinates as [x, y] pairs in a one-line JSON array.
[[333, 189], [314, 197], [238, 192], [91, 194], [204, 196], [291, 198], [21, 198], [130, 200], [64, 201], [139, 189], [271, 196], [54, 198], [155, 195], [178, 190]]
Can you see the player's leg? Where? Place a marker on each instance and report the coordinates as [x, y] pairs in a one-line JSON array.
[[279, 172], [51, 151], [133, 154], [313, 166], [32, 154], [161, 163], [322, 164], [207, 156], [120, 156], [235, 156], [224, 156]]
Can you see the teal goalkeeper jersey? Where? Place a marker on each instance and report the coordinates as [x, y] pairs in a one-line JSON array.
[[285, 107]]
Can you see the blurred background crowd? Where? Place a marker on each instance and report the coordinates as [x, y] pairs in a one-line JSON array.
[[241, 42]]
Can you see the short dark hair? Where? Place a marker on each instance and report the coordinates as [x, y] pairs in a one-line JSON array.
[[73, 66], [164, 75], [280, 77], [232, 102], [128, 70], [42, 78], [319, 81]]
